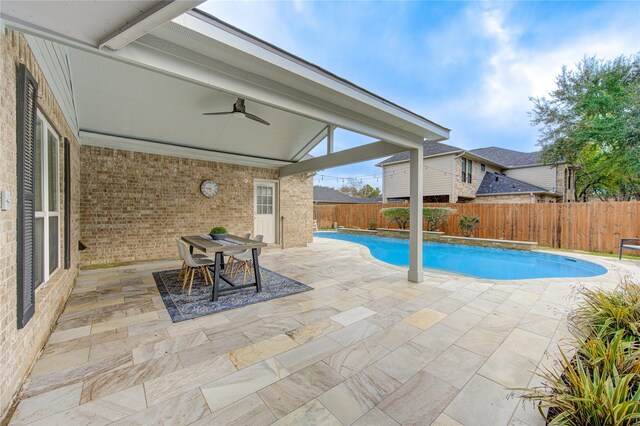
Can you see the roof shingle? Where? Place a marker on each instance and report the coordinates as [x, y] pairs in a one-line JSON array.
[[496, 183], [508, 157], [429, 148], [325, 194]]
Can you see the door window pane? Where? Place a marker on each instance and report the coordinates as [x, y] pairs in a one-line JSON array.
[[52, 178], [38, 165], [39, 257]]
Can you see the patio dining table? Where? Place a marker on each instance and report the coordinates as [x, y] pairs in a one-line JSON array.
[[232, 242]]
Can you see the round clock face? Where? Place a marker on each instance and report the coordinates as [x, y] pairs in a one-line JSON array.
[[209, 188]]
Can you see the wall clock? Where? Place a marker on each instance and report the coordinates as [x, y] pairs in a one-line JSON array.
[[209, 188]]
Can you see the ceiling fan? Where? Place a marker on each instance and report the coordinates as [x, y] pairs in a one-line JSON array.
[[240, 112]]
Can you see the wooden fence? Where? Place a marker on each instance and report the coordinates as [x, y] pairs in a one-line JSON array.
[[577, 226]]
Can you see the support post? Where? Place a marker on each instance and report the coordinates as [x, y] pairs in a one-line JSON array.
[[416, 172], [330, 130]]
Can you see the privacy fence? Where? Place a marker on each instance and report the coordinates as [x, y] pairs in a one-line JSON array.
[[577, 226]]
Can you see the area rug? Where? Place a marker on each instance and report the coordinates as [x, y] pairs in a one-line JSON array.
[[182, 306]]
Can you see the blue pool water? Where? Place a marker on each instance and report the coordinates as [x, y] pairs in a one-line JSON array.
[[481, 262]]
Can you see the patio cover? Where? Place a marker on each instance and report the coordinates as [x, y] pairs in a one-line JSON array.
[[143, 72]]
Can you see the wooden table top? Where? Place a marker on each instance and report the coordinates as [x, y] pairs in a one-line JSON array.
[[208, 245]]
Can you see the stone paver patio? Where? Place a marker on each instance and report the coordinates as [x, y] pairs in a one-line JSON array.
[[365, 347]]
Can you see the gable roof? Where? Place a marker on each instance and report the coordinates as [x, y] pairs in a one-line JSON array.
[[428, 149], [508, 157], [325, 194], [497, 183]]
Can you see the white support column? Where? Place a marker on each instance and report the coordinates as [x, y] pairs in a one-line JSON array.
[[415, 222], [330, 130]]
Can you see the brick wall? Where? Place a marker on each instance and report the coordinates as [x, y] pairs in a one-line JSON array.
[[296, 205], [19, 348], [134, 205]]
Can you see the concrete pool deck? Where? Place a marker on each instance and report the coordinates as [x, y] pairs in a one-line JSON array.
[[365, 347]]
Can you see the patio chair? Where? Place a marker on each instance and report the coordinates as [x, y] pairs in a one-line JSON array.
[[629, 244], [231, 253], [181, 252], [193, 264], [315, 224], [245, 260]]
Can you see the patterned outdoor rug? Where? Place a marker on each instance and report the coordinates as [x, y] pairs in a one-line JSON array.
[[182, 306]]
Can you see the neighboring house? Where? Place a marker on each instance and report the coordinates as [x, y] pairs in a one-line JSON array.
[[483, 175], [323, 195]]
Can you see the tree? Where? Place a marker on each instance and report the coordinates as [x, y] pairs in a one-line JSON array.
[[592, 120], [356, 189], [437, 216]]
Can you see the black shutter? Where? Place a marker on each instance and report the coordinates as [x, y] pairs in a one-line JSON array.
[[26, 137], [67, 204]]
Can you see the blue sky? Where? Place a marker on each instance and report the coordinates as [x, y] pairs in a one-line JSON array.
[[470, 66]]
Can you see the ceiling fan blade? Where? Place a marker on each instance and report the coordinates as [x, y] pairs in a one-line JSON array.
[[217, 113], [256, 118]]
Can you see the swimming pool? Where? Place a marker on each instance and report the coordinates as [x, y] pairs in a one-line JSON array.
[[481, 262]]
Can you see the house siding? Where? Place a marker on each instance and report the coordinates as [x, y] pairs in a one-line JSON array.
[[135, 204], [437, 179], [19, 348], [395, 182], [542, 176]]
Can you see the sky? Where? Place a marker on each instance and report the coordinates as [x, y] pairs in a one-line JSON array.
[[469, 66]]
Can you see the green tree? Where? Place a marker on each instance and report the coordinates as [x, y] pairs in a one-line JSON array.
[[592, 120], [357, 190]]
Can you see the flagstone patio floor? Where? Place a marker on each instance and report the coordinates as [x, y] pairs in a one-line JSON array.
[[365, 347]]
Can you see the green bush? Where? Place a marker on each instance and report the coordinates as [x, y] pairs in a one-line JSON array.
[[218, 230], [373, 225], [600, 385], [604, 313], [399, 215], [437, 216], [468, 224]]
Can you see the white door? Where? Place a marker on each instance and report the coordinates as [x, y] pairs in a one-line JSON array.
[[265, 211]]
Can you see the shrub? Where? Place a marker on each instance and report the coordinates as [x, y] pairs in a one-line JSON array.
[[468, 224], [600, 385], [218, 230], [604, 313], [399, 215], [373, 225], [437, 216]]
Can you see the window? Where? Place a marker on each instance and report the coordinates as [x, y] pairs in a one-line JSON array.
[[47, 201], [466, 170], [482, 167], [568, 178], [264, 200]]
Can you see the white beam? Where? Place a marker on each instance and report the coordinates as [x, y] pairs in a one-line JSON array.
[[170, 150], [342, 158], [311, 144], [150, 19], [415, 221]]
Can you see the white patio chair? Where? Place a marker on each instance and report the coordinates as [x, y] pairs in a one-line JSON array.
[[245, 260], [181, 253], [315, 224], [231, 253], [193, 264]]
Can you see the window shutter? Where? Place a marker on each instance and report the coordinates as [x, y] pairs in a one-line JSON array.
[[67, 204], [26, 133]]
